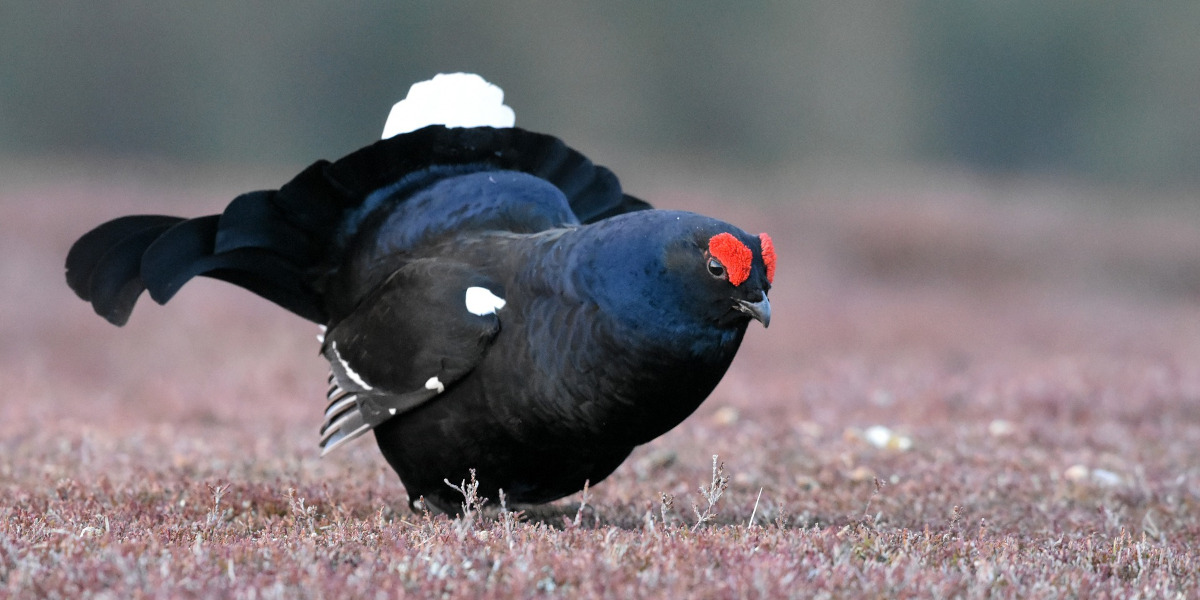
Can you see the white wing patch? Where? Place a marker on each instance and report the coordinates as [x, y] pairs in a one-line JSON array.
[[351, 373], [481, 301], [450, 99], [435, 384]]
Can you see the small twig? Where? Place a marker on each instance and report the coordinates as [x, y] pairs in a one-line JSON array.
[[666, 503], [302, 512], [508, 519], [582, 503], [216, 514], [781, 518], [720, 482], [471, 505], [750, 525], [956, 515], [867, 509], [469, 491]]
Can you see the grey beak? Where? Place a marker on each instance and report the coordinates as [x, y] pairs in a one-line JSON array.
[[759, 311]]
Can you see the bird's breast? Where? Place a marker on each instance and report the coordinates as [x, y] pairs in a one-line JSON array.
[[572, 370]]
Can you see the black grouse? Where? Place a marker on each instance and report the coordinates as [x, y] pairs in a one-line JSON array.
[[492, 301]]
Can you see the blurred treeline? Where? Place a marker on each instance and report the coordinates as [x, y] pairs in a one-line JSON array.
[[1108, 91]]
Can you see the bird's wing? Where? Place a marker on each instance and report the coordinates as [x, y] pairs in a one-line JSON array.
[[421, 331]]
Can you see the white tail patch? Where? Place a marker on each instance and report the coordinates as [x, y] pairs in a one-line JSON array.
[[481, 301], [450, 99]]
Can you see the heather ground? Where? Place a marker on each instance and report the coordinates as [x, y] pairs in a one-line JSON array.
[[1032, 351]]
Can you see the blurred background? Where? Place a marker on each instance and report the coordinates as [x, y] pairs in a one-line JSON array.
[[950, 179], [1095, 92], [986, 212]]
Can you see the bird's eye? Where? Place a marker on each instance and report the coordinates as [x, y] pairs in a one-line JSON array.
[[716, 269]]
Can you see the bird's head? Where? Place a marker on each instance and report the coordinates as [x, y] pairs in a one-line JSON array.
[[671, 272], [748, 268]]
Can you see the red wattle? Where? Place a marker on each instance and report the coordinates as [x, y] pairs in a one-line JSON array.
[[768, 254], [733, 254]]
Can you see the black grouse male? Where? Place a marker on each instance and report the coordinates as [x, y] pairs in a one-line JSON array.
[[493, 300]]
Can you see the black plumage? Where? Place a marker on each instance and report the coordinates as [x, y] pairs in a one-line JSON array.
[[493, 301]]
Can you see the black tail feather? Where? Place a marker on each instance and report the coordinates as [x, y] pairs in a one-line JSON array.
[[177, 255], [295, 199], [593, 191], [189, 249], [89, 251], [113, 264], [275, 280], [104, 266], [116, 281], [254, 221], [279, 244]]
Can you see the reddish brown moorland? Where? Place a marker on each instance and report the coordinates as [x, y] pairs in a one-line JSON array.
[[966, 391]]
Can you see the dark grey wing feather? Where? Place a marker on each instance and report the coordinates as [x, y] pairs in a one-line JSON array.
[[409, 340]]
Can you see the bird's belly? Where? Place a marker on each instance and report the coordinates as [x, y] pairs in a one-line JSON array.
[[428, 447], [540, 433]]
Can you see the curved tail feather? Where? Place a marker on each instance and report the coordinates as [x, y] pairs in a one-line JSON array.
[[272, 268], [114, 263], [281, 243], [104, 266]]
